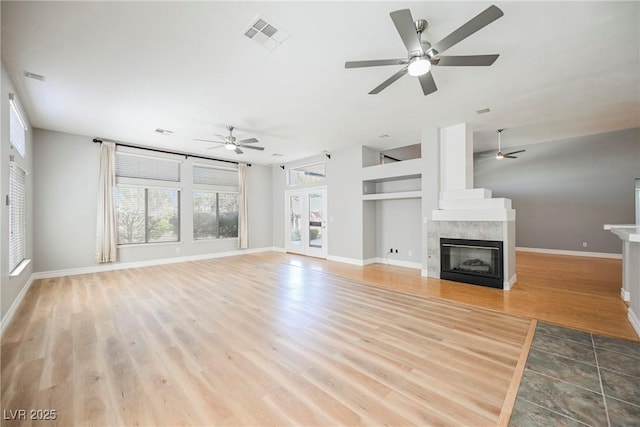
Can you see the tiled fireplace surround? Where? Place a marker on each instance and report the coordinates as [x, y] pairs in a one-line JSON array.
[[473, 230], [465, 212]]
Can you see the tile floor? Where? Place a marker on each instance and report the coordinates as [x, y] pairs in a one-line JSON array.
[[574, 378]]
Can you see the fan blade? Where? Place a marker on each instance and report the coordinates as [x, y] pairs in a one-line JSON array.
[[514, 152], [247, 141], [487, 154], [221, 136], [407, 29], [506, 156], [483, 19], [253, 147], [238, 151], [214, 148], [375, 63], [466, 61], [427, 83], [390, 80], [209, 140]]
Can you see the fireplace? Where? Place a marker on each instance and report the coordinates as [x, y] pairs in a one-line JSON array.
[[472, 261]]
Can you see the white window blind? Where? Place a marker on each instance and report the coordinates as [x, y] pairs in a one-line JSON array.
[[17, 215], [147, 167], [217, 177], [17, 127]]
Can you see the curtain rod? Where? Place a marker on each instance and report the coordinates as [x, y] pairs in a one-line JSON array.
[[98, 140]]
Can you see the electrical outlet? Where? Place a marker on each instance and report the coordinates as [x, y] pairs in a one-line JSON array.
[[396, 251], [584, 244], [391, 250], [410, 252]]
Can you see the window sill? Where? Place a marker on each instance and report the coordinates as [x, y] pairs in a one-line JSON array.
[[220, 239], [142, 245], [20, 268]]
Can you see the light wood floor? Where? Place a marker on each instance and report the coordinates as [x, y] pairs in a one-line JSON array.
[[278, 339], [261, 340], [575, 292]]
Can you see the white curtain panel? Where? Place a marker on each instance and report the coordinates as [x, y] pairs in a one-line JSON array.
[[243, 213], [106, 232]]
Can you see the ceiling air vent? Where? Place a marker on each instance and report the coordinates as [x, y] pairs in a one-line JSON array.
[[34, 76], [265, 34]]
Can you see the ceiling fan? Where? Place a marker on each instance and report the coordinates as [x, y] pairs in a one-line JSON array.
[[421, 54], [232, 144], [500, 155]]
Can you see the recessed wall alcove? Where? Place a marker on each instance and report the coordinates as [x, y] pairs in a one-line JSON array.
[[392, 205]]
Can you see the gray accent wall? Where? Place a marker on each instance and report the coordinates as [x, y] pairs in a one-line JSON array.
[[279, 183], [344, 203], [565, 191], [65, 203], [398, 225]]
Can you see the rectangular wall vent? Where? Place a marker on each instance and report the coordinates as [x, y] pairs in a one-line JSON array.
[[34, 76], [265, 34]]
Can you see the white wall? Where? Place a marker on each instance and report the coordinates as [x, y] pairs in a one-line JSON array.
[[66, 183], [456, 143], [363, 230], [11, 287]]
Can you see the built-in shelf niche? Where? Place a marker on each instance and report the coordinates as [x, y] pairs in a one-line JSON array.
[[374, 157], [397, 187]]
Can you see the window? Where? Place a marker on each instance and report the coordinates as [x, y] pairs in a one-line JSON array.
[[17, 215], [147, 210], [147, 215], [17, 127], [215, 202], [215, 215], [304, 175]]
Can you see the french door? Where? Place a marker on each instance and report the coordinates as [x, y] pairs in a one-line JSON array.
[[305, 223]]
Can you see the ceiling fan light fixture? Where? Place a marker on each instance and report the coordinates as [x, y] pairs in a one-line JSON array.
[[229, 146], [419, 66], [499, 156]]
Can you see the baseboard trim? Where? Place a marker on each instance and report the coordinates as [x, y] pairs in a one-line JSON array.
[[149, 263], [626, 296], [399, 263], [14, 306], [344, 260], [570, 253], [369, 261], [635, 322], [507, 286]]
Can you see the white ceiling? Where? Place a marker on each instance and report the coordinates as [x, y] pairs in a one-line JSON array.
[[119, 70]]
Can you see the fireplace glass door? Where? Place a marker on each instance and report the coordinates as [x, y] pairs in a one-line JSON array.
[[472, 261]]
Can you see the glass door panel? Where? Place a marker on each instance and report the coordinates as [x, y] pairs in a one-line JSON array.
[[295, 221], [315, 220], [306, 224]]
